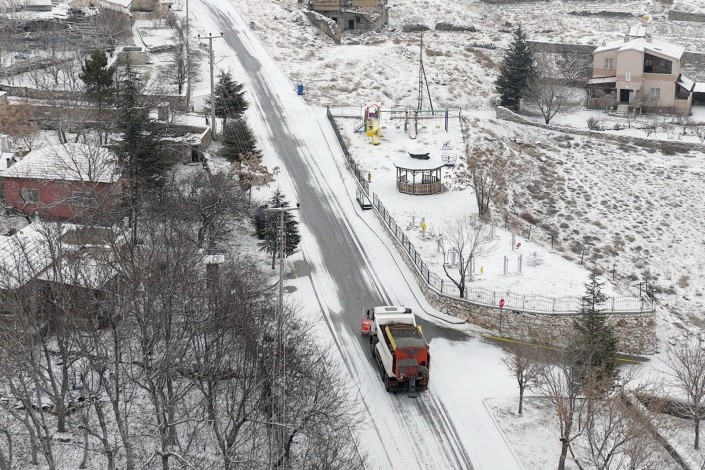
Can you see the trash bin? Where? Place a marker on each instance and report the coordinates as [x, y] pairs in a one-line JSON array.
[[300, 89]]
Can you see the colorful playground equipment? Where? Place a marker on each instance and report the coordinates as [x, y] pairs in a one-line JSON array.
[[373, 121]]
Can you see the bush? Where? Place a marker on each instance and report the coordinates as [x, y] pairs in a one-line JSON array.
[[594, 124]]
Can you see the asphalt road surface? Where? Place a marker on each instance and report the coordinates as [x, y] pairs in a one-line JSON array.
[[422, 434]]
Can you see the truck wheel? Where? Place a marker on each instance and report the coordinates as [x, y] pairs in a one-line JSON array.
[[387, 387], [373, 343]]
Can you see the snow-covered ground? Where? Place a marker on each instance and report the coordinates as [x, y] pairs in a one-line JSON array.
[[597, 194], [633, 209]]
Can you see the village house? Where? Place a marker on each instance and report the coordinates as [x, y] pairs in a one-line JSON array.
[[640, 72], [353, 15], [75, 182]]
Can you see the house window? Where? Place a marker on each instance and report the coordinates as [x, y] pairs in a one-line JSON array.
[[30, 196], [84, 199], [609, 64], [627, 76], [655, 93], [653, 64]]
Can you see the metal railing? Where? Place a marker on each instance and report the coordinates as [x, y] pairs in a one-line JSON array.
[[523, 303], [478, 295]]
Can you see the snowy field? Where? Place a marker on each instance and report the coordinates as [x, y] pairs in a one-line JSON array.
[[631, 209]]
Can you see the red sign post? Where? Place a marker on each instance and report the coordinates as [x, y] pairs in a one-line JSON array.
[[501, 303]]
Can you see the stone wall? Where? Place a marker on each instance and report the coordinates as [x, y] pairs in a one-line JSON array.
[[325, 24], [663, 145], [635, 331], [675, 15]]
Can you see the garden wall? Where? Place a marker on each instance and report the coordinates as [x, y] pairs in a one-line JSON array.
[[663, 145]]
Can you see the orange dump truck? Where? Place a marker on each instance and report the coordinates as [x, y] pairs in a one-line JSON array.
[[398, 347]]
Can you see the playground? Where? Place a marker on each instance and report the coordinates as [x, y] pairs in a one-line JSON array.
[[410, 151]]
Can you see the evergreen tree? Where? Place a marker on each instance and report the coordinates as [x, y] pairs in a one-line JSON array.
[[596, 343], [144, 153], [238, 140], [98, 79], [517, 71], [229, 98], [267, 227]]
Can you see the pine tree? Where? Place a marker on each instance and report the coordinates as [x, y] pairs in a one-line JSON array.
[[229, 98], [98, 79], [144, 153], [238, 140], [596, 343], [517, 71], [267, 227]]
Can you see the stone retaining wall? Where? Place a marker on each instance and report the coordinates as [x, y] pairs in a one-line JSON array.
[[663, 145], [635, 331], [675, 15]]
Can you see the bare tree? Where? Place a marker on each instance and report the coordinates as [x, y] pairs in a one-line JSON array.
[[178, 55], [524, 366], [575, 68], [550, 99], [16, 121], [211, 201], [700, 132], [561, 383], [686, 367], [491, 169], [467, 238]]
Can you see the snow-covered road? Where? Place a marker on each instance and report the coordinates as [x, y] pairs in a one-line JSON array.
[[352, 266]]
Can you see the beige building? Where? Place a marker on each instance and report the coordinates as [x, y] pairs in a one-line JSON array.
[[640, 72]]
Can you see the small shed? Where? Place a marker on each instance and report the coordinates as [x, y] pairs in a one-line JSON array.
[[419, 176]]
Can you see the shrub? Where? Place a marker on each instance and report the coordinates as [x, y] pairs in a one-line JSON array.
[[594, 124]]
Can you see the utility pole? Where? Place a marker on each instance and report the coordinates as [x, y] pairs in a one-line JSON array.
[[280, 369], [188, 62], [210, 38]]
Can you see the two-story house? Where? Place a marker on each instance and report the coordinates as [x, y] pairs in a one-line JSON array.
[[640, 73]]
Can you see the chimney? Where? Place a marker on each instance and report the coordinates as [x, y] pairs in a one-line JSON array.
[[4, 146], [648, 37], [626, 38]]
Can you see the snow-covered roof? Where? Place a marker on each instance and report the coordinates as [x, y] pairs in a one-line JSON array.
[[123, 6], [67, 162], [23, 256], [601, 80], [653, 46], [685, 82], [699, 87], [4, 157]]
